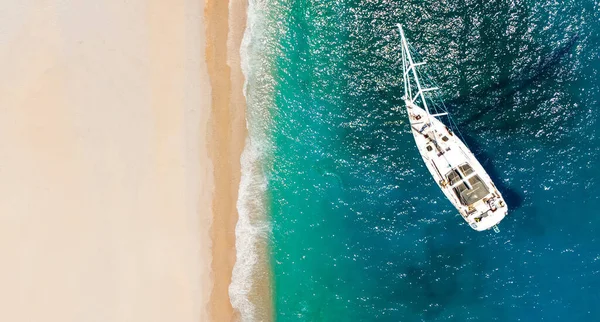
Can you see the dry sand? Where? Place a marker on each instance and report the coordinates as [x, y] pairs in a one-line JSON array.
[[105, 181]]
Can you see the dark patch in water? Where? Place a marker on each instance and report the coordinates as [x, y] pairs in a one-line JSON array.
[[508, 87], [433, 285]]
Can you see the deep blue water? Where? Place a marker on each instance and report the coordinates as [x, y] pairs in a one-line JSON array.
[[360, 232]]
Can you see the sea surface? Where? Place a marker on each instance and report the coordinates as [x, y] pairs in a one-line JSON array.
[[355, 228]]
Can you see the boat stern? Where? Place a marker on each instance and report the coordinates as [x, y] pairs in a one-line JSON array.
[[484, 218], [489, 221]]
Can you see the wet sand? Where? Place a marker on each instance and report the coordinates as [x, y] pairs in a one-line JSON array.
[[105, 181], [227, 133]]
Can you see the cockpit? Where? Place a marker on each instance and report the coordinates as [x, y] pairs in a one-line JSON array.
[[467, 185]]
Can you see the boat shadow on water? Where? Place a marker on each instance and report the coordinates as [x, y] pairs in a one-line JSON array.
[[529, 219], [511, 196], [508, 88], [546, 68]]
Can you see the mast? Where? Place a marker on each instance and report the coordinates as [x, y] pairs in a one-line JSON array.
[[407, 57], [408, 64], [405, 77]]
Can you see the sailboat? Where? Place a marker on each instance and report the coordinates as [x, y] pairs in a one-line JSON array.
[[453, 166]]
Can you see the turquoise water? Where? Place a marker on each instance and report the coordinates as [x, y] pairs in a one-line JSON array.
[[358, 231]]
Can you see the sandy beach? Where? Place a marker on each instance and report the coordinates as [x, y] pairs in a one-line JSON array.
[[108, 197]]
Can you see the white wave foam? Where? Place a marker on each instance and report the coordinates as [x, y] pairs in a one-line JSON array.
[[252, 228]]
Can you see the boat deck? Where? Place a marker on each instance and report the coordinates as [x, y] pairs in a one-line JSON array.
[[456, 171]]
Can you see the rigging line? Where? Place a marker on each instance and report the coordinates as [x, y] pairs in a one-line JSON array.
[[425, 74], [418, 74], [414, 71]]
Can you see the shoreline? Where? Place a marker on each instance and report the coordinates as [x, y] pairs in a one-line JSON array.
[[250, 288]]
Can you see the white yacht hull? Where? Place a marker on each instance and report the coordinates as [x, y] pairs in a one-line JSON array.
[[442, 151], [453, 167]]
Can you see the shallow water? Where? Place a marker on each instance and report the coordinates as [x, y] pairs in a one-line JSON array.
[[358, 230]]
